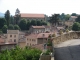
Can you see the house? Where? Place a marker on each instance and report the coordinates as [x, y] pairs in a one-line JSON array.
[[69, 22], [34, 39], [39, 29], [4, 45], [12, 36], [72, 18]]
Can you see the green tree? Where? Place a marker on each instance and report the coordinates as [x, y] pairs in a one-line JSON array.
[[11, 19], [78, 19], [39, 23], [33, 22], [4, 29], [76, 26], [17, 16], [28, 25], [7, 17], [44, 23], [11, 27], [54, 19], [22, 24], [73, 14], [1, 32], [2, 22], [16, 27], [67, 17]]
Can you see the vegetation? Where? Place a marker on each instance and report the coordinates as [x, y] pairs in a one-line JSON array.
[[7, 17], [11, 27], [25, 25], [46, 52], [16, 27], [76, 26], [20, 54], [4, 29], [2, 22]]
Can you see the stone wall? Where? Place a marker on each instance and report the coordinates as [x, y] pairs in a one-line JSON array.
[[66, 36]]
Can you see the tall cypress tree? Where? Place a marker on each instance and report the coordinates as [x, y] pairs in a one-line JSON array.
[[7, 17]]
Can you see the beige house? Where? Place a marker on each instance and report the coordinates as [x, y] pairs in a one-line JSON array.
[[34, 39], [39, 29], [12, 36]]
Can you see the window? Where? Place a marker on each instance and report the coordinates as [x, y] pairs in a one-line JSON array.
[[10, 35], [14, 40], [10, 40], [14, 35]]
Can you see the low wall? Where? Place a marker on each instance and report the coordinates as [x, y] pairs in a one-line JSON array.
[[66, 36]]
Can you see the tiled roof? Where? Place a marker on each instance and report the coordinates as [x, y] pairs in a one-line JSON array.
[[12, 31], [40, 35], [38, 26], [43, 35], [32, 15]]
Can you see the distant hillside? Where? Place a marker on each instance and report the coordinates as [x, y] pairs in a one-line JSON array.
[[1, 14]]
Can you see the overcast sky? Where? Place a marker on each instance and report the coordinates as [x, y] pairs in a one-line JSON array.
[[41, 6]]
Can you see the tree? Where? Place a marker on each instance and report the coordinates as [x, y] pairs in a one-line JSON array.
[[2, 22], [44, 23], [54, 19], [11, 19], [39, 23], [33, 22], [17, 16], [76, 26], [62, 16], [22, 24], [7, 17], [73, 14], [11, 27], [67, 17], [28, 25], [78, 19], [4, 29], [16, 27]]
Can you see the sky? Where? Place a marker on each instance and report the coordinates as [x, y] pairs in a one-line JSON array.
[[47, 7]]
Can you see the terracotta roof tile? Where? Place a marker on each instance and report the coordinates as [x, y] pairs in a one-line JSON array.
[[32, 15], [40, 35]]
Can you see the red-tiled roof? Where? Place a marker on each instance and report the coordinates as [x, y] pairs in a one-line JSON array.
[[43, 35], [32, 15], [40, 35], [38, 26]]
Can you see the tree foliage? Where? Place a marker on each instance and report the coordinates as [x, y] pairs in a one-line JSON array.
[[20, 54], [54, 19], [76, 26], [11, 27], [4, 29], [7, 17], [2, 22], [22, 24], [16, 27], [78, 19]]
